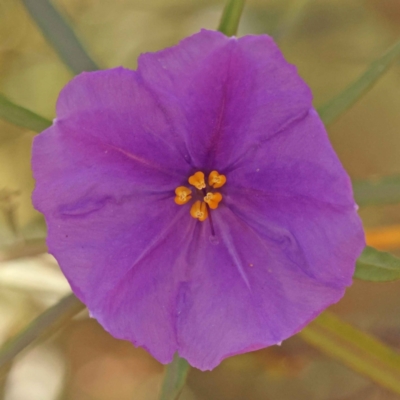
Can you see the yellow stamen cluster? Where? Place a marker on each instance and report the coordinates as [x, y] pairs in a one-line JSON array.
[[209, 200]]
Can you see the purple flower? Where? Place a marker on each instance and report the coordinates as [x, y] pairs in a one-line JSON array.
[[196, 205]]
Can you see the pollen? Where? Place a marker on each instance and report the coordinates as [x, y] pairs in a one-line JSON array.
[[199, 210], [213, 199], [216, 180], [197, 180], [183, 195]]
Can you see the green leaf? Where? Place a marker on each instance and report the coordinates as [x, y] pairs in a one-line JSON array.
[[175, 378], [384, 190], [343, 102], [60, 35], [230, 17], [377, 266], [48, 323], [357, 350], [21, 116]]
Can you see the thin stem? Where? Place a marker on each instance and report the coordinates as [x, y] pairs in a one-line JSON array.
[[175, 378], [49, 322], [231, 17]]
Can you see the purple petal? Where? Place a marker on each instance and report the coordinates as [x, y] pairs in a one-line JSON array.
[[105, 180], [244, 293], [115, 109], [293, 188], [289, 237], [229, 93], [125, 280], [299, 161], [141, 305], [91, 206]]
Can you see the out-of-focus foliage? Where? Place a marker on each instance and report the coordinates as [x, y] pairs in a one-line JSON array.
[[58, 33], [377, 266], [332, 42], [377, 191], [52, 320], [21, 116], [174, 379], [356, 349], [344, 101]]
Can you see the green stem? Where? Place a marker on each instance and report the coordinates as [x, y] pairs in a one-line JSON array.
[[354, 92], [231, 17], [21, 116], [60, 35], [175, 378], [48, 323]]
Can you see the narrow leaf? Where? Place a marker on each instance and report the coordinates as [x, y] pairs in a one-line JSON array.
[[384, 190], [337, 106], [60, 35], [357, 350], [175, 378], [21, 116], [231, 17], [48, 323], [377, 266]]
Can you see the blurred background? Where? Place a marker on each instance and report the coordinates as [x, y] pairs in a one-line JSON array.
[[331, 42]]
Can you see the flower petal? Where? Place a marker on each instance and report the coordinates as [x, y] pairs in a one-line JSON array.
[[115, 108], [143, 305], [106, 184], [91, 205], [296, 182], [231, 93], [326, 240], [297, 162], [121, 277], [244, 292], [101, 167], [289, 236], [102, 228]]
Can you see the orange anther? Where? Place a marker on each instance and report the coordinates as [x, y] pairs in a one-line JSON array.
[[197, 180], [213, 199], [199, 210], [216, 180], [183, 195]]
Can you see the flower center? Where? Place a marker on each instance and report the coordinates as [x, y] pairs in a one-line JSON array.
[[206, 198]]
